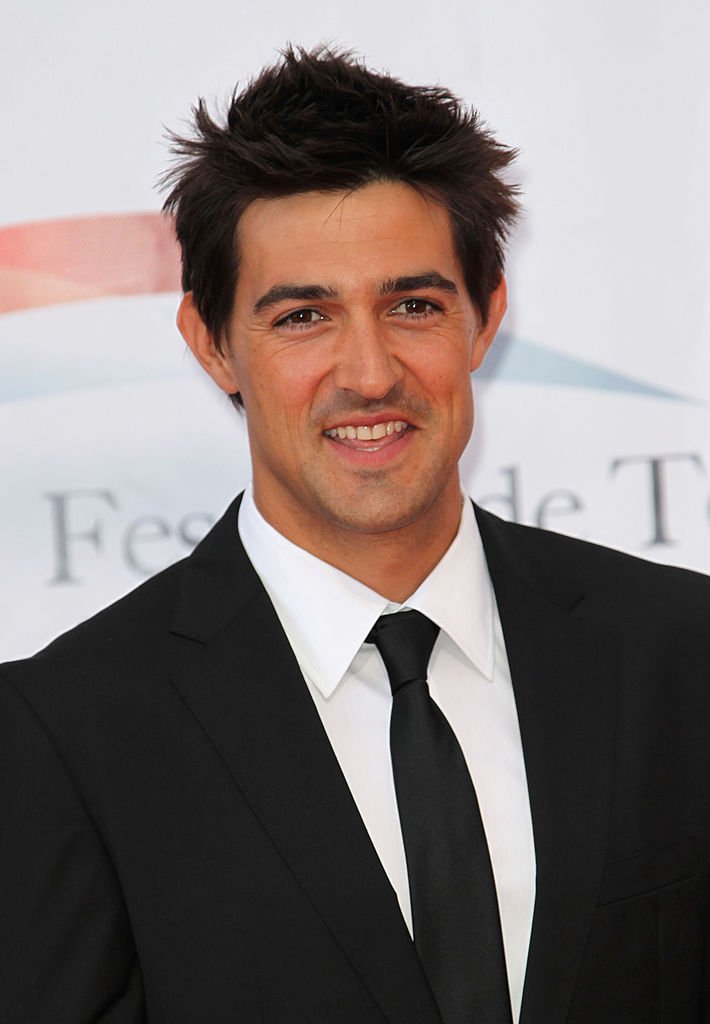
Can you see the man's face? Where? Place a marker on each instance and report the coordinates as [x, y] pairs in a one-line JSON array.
[[351, 342]]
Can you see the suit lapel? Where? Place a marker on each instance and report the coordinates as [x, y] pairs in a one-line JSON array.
[[236, 671], [563, 670]]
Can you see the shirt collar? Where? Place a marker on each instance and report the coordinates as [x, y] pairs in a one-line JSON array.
[[326, 614]]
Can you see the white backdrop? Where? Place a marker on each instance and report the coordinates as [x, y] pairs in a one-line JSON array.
[[592, 411]]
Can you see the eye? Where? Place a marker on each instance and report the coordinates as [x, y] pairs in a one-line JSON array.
[[416, 309], [300, 318]]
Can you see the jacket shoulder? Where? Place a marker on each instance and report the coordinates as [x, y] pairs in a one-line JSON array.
[[125, 630], [133, 630], [624, 585]]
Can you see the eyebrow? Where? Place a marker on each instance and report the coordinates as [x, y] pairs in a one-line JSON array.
[[295, 293], [415, 282]]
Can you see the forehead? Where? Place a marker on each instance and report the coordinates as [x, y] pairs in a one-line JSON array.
[[380, 230]]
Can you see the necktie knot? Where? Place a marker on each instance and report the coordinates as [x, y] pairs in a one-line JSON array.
[[405, 641]]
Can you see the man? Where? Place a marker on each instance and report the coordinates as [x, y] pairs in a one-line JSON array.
[[233, 796]]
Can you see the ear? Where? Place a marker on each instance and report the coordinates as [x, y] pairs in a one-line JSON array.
[[202, 344], [487, 332]]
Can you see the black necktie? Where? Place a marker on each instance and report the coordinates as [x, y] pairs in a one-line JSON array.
[[454, 906]]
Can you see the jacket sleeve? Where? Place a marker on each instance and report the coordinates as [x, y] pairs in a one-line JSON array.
[[66, 948]]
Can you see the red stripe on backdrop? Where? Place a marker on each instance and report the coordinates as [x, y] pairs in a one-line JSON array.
[[80, 258]]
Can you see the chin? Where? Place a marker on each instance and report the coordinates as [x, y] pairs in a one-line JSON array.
[[376, 519]]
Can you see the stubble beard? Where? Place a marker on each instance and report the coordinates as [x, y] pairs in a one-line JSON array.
[[380, 507]]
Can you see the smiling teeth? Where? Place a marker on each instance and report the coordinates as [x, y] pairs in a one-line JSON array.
[[367, 433]]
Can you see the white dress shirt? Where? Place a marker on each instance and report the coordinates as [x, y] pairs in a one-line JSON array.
[[326, 615]]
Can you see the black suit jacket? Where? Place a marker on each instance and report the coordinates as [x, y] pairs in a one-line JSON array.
[[178, 844]]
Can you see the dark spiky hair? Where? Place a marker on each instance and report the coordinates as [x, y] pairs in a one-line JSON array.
[[320, 120]]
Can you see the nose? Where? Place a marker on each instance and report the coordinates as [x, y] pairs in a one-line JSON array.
[[366, 364]]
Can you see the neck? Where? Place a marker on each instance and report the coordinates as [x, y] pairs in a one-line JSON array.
[[393, 563]]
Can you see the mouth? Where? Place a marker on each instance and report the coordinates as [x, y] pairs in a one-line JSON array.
[[370, 437]]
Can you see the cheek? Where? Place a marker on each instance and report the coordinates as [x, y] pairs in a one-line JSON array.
[[283, 403], [447, 381], [302, 385], [462, 399]]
